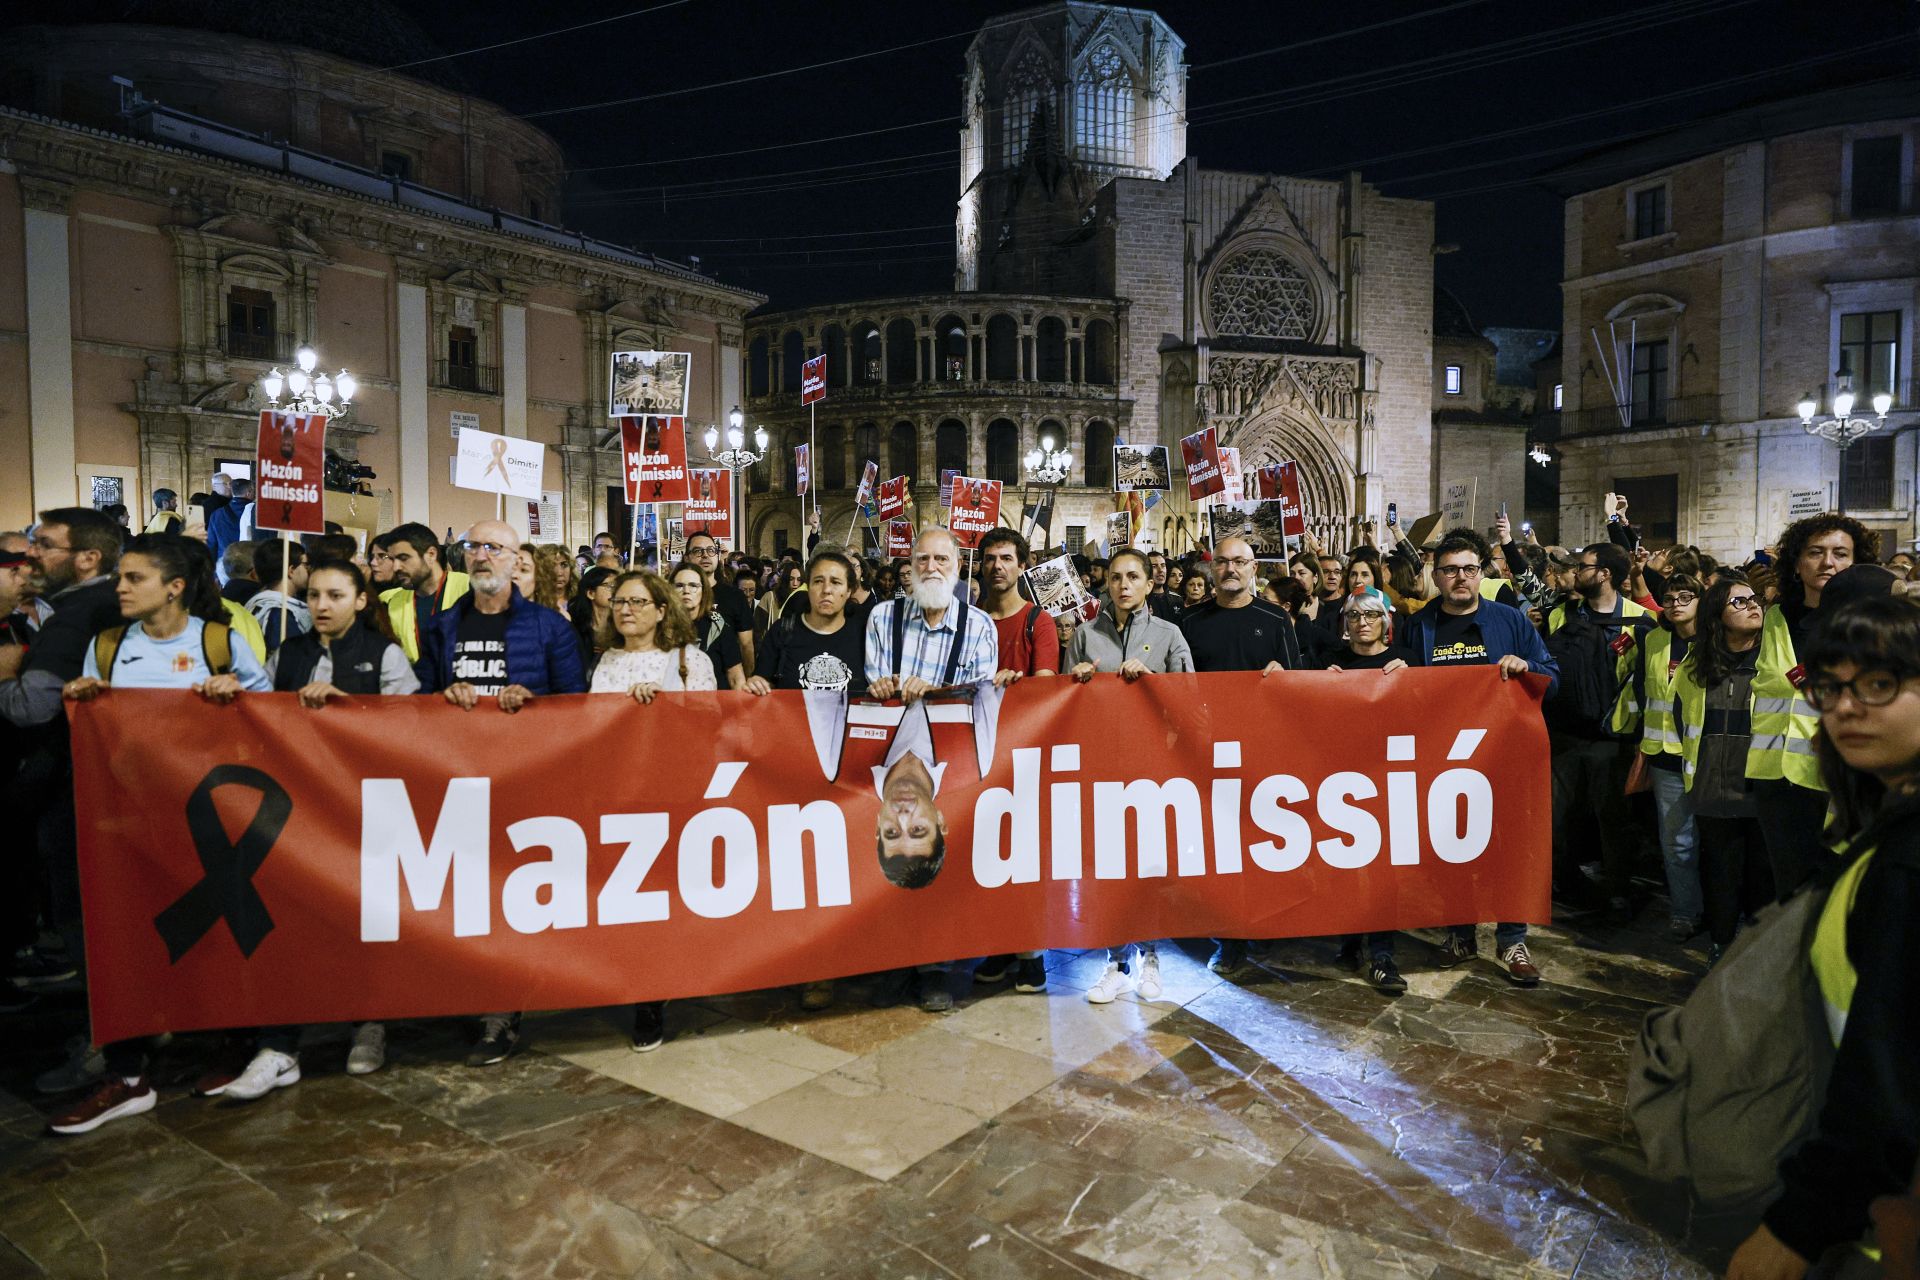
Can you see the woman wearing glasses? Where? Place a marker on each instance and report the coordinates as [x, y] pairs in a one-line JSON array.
[[1713, 706], [1863, 665], [710, 629], [1647, 702], [648, 642]]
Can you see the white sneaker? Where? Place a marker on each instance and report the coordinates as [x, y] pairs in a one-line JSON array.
[[1111, 984], [269, 1070], [369, 1052], [1147, 981]]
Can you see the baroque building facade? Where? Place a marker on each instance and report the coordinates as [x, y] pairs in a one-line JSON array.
[[1108, 288], [168, 236], [1724, 272]]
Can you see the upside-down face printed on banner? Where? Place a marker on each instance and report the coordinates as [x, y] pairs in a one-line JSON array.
[[899, 539], [649, 383], [710, 508], [976, 509], [654, 459], [289, 461], [1200, 453], [893, 497], [261, 864]]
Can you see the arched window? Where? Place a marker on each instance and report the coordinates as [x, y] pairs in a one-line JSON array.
[[950, 344], [757, 365], [901, 355], [866, 356], [1027, 91], [1050, 354], [950, 447], [830, 458], [1100, 353], [1003, 349], [1099, 453], [1103, 108], [833, 341], [793, 354], [903, 452], [1003, 451], [760, 475]]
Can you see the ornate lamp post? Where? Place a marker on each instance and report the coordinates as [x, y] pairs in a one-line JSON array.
[[307, 393], [1047, 465], [1843, 428], [736, 457]]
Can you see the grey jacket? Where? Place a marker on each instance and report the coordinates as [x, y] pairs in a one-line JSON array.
[[1154, 641]]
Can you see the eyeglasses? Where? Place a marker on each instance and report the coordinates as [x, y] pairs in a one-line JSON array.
[[491, 548], [1456, 571], [41, 544], [634, 602], [1679, 597], [1741, 602], [1869, 689], [703, 551]]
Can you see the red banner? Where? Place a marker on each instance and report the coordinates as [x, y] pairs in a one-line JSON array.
[[813, 379], [655, 454], [893, 497], [398, 857], [289, 462], [899, 539], [710, 508], [976, 509], [1200, 452]]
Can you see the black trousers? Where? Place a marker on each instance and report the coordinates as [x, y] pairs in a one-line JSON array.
[[1791, 820], [1590, 812], [1735, 878]]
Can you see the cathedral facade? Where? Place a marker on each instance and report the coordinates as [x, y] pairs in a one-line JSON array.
[[1107, 287]]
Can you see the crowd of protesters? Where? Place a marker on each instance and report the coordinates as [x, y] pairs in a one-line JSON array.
[[1737, 729]]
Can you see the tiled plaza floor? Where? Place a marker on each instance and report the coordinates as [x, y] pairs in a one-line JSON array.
[[1298, 1124]]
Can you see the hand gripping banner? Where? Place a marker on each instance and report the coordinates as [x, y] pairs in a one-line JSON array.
[[263, 864]]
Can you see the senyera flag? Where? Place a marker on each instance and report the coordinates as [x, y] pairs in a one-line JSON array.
[[899, 539], [1200, 452], [710, 507], [290, 464], [262, 864], [813, 379], [654, 459], [976, 509]]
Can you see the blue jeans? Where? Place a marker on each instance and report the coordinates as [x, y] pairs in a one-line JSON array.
[[1679, 843], [1504, 935]]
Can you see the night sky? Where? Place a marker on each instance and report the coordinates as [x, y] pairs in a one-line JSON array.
[[1464, 104]]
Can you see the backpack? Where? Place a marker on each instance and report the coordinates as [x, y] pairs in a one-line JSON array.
[[216, 646], [1589, 676], [1726, 1086]]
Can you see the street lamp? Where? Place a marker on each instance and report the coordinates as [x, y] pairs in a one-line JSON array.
[[736, 457], [1049, 466], [1843, 428], [308, 393]]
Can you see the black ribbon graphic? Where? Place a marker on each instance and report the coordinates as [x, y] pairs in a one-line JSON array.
[[225, 889]]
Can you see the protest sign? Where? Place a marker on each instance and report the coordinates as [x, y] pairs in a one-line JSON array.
[[499, 464], [289, 460], [649, 383], [1200, 452], [654, 454], [709, 509], [802, 468], [893, 497], [1141, 467], [1119, 531], [813, 379], [946, 486], [976, 509], [899, 539], [1056, 589]]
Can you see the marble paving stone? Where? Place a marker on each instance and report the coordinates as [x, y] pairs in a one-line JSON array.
[[857, 1123], [854, 1028], [1134, 1057], [978, 1076], [528, 1091], [573, 1030], [722, 1070], [15, 1265], [349, 1266], [1059, 1026]]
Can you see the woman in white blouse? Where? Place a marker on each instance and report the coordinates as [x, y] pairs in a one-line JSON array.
[[649, 642]]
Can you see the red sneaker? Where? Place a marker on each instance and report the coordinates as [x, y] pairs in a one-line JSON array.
[[115, 1099]]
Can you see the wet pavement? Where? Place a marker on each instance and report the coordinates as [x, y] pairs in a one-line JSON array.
[[1294, 1124]]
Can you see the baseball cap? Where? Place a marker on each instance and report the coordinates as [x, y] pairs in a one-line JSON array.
[[1562, 557]]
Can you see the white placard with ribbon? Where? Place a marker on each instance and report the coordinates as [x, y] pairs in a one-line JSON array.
[[499, 464]]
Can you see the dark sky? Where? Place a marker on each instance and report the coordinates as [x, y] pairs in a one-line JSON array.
[[1444, 107]]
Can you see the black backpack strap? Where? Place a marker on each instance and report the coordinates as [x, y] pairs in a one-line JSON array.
[[1033, 659], [959, 641], [899, 633]]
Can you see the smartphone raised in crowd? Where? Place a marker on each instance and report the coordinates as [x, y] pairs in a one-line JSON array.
[[1393, 513]]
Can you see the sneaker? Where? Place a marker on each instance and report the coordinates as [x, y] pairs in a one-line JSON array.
[[84, 1067], [1680, 928], [1112, 983], [1147, 982], [269, 1070], [34, 967], [993, 969], [499, 1040], [1030, 975], [1456, 949], [1229, 958], [934, 996], [1385, 976], [817, 995], [649, 1026], [1519, 964], [369, 1051], [233, 1056], [114, 1099]]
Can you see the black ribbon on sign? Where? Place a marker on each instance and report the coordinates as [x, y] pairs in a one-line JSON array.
[[225, 889]]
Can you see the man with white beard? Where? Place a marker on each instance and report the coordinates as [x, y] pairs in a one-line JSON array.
[[925, 641]]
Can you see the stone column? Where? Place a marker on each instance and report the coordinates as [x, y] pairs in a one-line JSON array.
[[50, 344], [411, 330]]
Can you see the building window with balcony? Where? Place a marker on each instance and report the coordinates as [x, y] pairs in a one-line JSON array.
[[1875, 182], [251, 332], [1650, 383], [1453, 380], [463, 365], [1649, 205], [1866, 475], [1870, 350]]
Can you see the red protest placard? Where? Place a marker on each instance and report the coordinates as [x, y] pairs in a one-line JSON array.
[[1293, 514], [899, 539], [710, 507], [813, 379], [802, 468], [289, 461], [1201, 454], [976, 509], [946, 487], [869, 476], [893, 497], [654, 458]]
